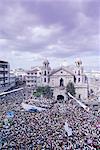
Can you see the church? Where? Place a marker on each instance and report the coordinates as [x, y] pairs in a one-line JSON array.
[[58, 79]]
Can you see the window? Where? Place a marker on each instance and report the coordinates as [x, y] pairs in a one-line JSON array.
[[78, 79], [79, 96], [45, 73], [48, 79], [48, 72], [74, 79], [61, 72], [44, 79], [35, 72], [78, 63], [78, 72], [86, 79]]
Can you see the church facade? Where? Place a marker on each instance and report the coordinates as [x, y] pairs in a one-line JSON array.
[[58, 79]]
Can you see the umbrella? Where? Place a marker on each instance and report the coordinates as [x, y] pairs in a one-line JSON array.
[[10, 114]]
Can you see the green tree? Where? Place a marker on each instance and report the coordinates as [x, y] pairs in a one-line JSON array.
[[48, 92], [45, 91], [71, 89], [39, 91]]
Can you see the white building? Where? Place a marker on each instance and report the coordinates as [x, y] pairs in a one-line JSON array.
[[94, 81], [20, 74], [58, 79], [93, 74], [33, 77], [12, 78]]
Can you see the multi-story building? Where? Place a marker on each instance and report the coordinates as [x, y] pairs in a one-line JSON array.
[[93, 74], [30, 79], [33, 77], [20, 74], [94, 81], [4, 74], [12, 79]]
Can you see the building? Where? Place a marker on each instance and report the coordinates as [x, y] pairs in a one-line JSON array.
[[33, 77], [46, 71], [58, 79], [20, 74], [30, 79], [93, 74], [4, 75], [12, 79], [94, 81]]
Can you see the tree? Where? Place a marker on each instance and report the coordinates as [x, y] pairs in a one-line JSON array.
[[48, 92], [45, 91], [39, 91], [71, 89]]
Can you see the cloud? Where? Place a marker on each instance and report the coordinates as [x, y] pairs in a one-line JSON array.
[[46, 28], [3, 41]]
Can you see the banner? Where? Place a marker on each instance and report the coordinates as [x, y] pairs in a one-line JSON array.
[[80, 103]]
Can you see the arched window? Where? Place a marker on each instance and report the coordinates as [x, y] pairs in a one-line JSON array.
[[78, 72], [78, 79], [45, 73], [45, 65], [74, 79], [79, 96], [61, 82], [44, 79]]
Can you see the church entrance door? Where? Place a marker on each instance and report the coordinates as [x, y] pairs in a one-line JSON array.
[[60, 97]]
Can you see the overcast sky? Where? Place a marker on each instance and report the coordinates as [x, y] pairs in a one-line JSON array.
[[60, 30]]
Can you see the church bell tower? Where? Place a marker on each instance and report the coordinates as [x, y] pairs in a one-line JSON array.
[[45, 72], [79, 71]]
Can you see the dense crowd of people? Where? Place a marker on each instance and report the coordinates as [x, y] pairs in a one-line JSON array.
[[45, 130]]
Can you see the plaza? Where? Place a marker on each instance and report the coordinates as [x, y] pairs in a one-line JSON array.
[[45, 130]]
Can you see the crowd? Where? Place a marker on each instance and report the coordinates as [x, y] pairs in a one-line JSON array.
[[45, 130], [41, 102], [11, 101]]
